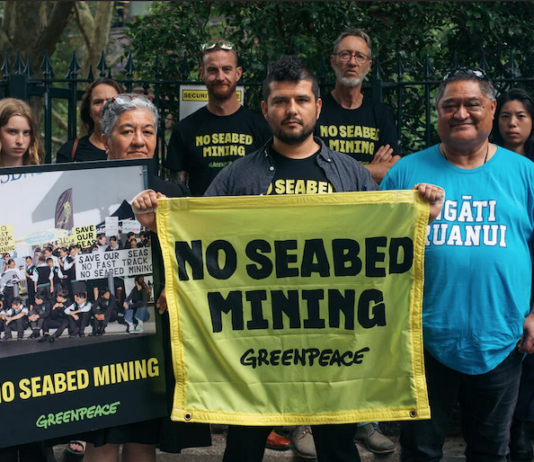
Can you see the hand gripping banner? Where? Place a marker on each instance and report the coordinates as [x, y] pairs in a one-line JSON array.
[[291, 310]]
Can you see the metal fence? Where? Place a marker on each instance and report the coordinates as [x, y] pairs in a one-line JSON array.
[[18, 82]]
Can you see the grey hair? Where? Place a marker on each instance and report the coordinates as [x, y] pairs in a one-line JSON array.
[[486, 86], [122, 103], [354, 33]]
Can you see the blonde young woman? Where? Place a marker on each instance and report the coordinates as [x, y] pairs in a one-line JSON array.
[[19, 146]]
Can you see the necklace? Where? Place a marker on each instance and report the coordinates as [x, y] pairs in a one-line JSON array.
[[447, 159]]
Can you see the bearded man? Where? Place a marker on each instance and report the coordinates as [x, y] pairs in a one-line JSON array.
[[219, 133], [350, 123]]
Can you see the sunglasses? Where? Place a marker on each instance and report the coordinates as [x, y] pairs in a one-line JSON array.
[[222, 44], [480, 74]]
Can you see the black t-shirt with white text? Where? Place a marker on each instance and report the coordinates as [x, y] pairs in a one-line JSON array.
[[203, 144], [358, 132], [298, 176]]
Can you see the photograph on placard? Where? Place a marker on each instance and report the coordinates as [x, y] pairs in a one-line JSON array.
[[76, 265]]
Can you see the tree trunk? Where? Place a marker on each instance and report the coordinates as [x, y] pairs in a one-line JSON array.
[[27, 27], [95, 31]]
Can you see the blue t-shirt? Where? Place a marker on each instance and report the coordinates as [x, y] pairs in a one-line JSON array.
[[477, 259]]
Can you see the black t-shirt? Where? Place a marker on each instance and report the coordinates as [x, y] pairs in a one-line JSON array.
[[170, 189], [203, 144], [85, 152], [358, 132], [298, 176]]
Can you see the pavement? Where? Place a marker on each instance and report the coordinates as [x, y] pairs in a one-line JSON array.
[[453, 450]]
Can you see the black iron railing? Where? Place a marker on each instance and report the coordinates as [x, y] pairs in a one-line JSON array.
[[18, 82]]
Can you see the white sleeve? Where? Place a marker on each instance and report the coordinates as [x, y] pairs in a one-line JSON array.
[[70, 308], [86, 308], [68, 265]]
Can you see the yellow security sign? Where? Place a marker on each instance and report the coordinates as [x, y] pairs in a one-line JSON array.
[[202, 95], [290, 310]]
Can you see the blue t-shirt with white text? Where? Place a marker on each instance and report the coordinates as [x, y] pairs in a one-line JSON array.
[[477, 259]]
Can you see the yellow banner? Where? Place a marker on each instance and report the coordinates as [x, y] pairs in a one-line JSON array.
[[290, 310]]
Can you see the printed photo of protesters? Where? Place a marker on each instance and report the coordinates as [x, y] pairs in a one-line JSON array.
[[70, 272]]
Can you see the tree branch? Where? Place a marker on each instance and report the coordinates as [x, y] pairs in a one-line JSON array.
[[103, 14], [52, 33], [85, 22], [116, 60], [57, 118], [9, 9]]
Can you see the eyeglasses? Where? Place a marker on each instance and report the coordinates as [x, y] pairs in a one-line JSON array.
[[131, 96], [476, 72], [345, 57], [222, 44]]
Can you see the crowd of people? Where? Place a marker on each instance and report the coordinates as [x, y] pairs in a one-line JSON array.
[[63, 299], [478, 269]]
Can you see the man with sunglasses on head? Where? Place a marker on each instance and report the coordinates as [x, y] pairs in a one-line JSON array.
[[350, 123], [219, 133], [476, 305]]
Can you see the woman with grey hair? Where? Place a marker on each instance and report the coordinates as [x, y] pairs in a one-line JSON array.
[[129, 128], [121, 114]]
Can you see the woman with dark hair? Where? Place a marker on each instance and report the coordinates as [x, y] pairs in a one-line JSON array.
[[9, 282], [512, 129], [135, 305], [90, 147], [512, 126]]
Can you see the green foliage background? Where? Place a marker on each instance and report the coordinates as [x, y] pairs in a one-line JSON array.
[[267, 30]]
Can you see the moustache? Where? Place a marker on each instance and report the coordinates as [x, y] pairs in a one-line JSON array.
[[292, 119]]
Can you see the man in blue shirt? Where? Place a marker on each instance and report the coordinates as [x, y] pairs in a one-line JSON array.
[[476, 321]]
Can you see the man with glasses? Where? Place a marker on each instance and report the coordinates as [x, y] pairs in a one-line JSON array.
[[219, 133], [350, 123], [476, 321], [365, 130]]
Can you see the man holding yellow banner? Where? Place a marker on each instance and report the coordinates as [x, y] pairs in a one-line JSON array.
[[237, 383]]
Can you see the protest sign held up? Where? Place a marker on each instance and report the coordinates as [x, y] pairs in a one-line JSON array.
[[7, 240], [63, 387], [291, 296], [129, 262], [84, 235]]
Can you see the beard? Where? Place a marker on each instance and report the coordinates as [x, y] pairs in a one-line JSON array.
[[221, 92], [351, 82], [292, 137]]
